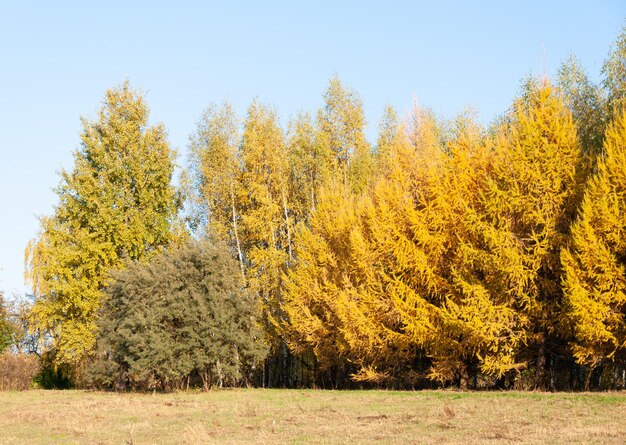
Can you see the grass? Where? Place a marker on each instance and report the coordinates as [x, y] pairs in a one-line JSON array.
[[309, 416]]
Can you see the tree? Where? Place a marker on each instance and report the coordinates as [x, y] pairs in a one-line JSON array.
[[6, 327], [387, 135], [531, 200], [216, 171], [594, 265], [341, 124], [586, 103], [267, 223], [358, 296], [181, 315], [614, 70], [313, 324], [116, 205], [309, 164]]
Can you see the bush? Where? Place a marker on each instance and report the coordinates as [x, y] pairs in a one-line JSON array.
[[180, 320], [17, 371], [51, 375]]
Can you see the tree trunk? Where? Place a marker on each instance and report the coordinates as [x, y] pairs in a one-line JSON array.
[[236, 235], [540, 376], [464, 379], [289, 249]]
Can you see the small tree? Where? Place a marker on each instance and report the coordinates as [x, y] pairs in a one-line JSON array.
[[181, 317], [6, 329]]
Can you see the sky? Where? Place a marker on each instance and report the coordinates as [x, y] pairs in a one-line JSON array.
[[58, 58]]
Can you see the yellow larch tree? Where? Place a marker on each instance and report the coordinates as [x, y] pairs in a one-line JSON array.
[[312, 287], [594, 265], [478, 329], [531, 200]]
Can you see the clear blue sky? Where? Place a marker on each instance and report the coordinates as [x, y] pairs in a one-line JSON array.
[[59, 57]]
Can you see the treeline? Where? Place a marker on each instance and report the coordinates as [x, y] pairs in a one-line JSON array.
[[445, 254]]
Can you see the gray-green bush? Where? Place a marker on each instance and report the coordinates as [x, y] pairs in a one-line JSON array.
[[180, 319]]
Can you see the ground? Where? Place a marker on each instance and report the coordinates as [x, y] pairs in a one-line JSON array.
[[310, 416]]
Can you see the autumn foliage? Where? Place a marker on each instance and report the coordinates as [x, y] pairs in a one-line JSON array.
[[447, 253]]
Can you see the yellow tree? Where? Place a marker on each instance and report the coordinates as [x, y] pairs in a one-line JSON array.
[[312, 286], [309, 166], [356, 263], [116, 205], [266, 220], [594, 264], [478, 328], [341, 124], [531, 200], [426, 283], [216, 174]]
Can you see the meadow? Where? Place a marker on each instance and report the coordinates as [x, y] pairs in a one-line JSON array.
[[275, 416]]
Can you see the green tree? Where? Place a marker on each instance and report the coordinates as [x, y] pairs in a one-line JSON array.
[[586, 103], [6, 327], [614, 70], [116, 205], [387, 135], [183, 314]]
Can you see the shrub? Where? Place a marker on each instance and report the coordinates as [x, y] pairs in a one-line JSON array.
[[181, 319], [17, 371]]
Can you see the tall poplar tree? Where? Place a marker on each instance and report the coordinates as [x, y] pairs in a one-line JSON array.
[[586, 102], [117, 204], [341, 124], [309, 166], [614, 70], [267, 220], [216, 172]]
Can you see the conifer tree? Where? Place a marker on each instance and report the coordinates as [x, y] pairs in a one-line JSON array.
[[531, 200], [594, 265], [347, 299], [117, 204], [478, 327], [311, 288]]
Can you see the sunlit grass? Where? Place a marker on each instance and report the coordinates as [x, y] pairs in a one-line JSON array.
[[307, 416]]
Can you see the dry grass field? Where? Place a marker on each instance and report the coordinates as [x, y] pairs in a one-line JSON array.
[[308, 416]]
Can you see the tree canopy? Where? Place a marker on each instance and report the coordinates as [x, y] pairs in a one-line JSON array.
[[182, 315], [116, 205]]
